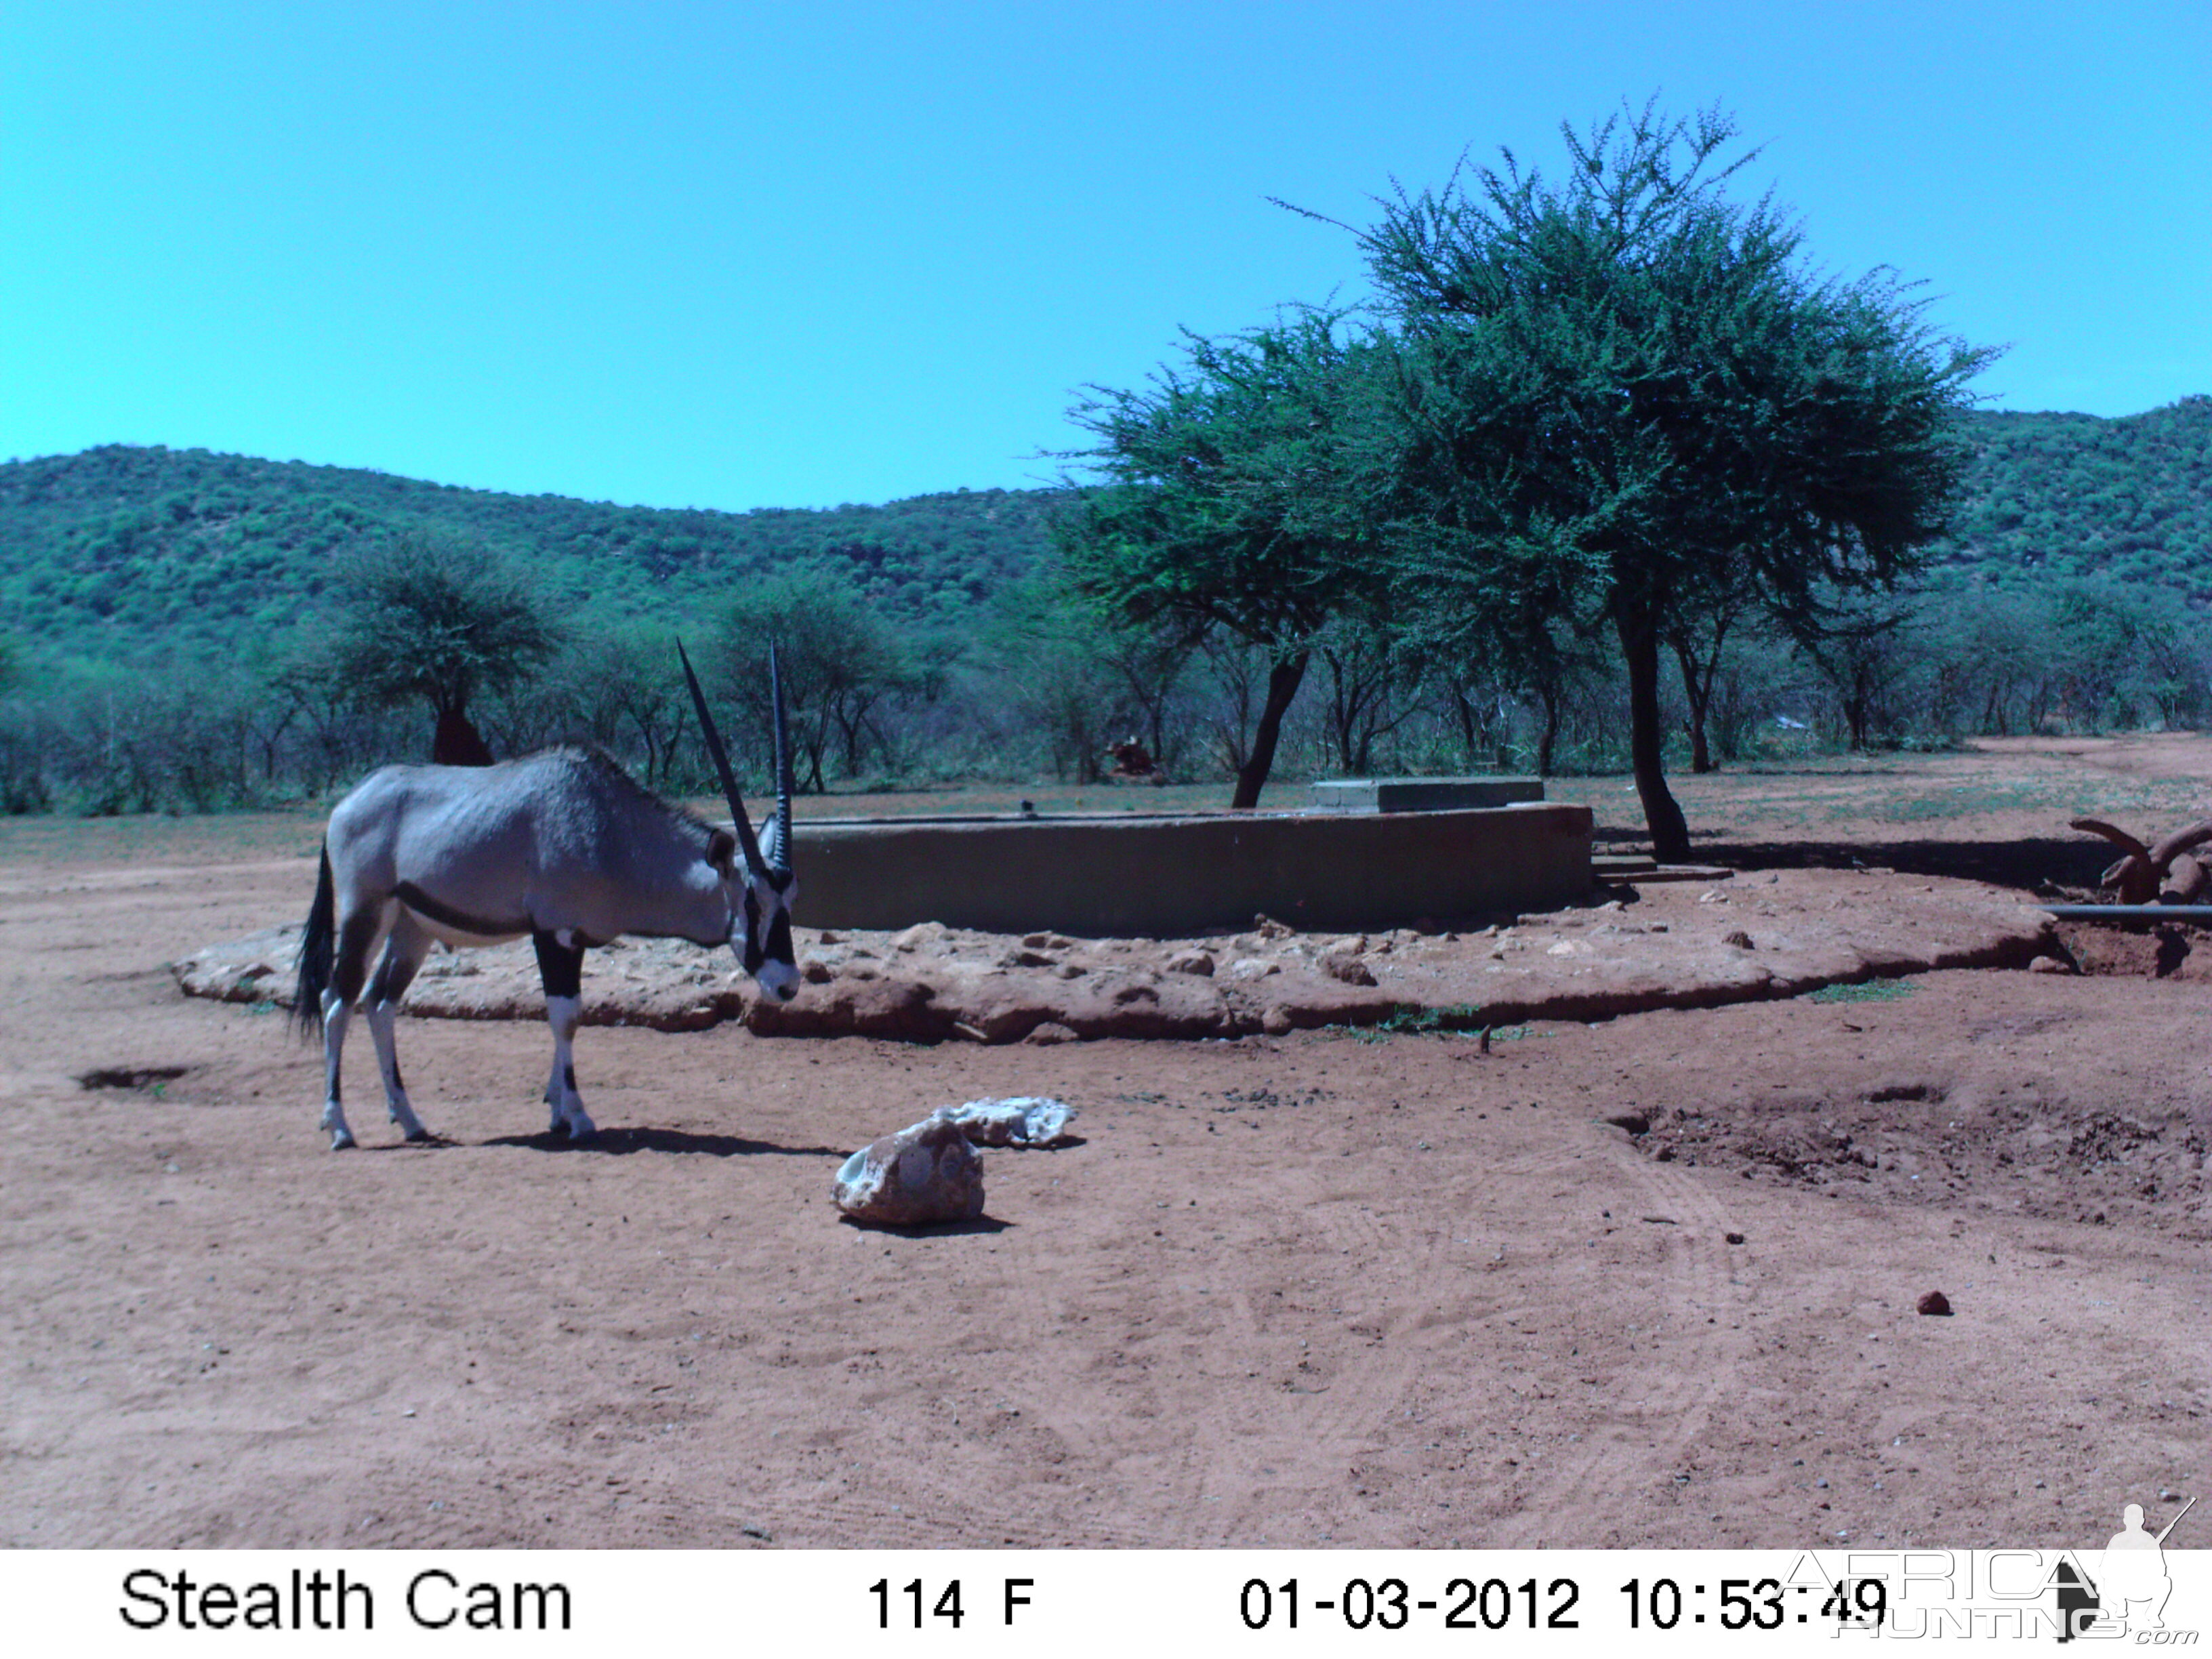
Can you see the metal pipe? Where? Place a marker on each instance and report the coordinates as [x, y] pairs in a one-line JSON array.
[[2130, 912]]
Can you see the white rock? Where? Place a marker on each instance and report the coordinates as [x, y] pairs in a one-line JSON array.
[[1019, 1121], [924, 1174]]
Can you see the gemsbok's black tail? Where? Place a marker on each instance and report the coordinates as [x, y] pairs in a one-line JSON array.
[[317, 939]]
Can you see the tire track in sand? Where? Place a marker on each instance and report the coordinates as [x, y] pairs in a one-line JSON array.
[[1675, 1390]]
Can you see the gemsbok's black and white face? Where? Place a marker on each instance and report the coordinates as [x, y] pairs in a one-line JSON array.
[[763, 941], [760, 930]]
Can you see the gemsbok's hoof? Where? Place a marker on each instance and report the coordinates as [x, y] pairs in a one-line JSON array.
[[418, 1134], [340, 1140]]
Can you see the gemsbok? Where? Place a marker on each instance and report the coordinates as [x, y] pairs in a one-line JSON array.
[[563, 846]]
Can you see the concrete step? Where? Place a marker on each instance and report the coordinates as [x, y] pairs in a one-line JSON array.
[[1629, 869]]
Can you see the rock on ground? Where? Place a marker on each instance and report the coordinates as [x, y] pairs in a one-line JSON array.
[[926, 1173]]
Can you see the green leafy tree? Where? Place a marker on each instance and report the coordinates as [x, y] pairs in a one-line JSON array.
[[1713, 602], [1070, 673], [1865, 650], [1050, 654], [1233, 504], [840, 661], [1368, 671], [629, 697], [1623, 391], [429, 617]]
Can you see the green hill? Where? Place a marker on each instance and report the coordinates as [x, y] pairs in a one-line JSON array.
[[125, 553], [2054, 496]]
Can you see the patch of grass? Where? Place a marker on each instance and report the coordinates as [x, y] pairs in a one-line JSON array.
[[1460, 1016], [1975, 797], [1866, 990], [1460, 1019]]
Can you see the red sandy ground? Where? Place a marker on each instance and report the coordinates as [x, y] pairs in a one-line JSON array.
[[1309, 1289]]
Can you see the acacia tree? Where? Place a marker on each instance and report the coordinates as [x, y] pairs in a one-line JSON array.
[[1623, 392], [1717, 597], [1049, 658], [424, 616], [1233, 504], [840, 661], [1369, 672]]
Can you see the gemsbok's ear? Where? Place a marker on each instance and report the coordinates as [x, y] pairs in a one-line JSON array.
[[722, 851]]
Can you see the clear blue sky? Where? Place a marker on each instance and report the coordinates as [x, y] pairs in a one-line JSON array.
[[740, 256]]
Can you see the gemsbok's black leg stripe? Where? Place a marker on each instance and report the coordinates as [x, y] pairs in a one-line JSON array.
[[560, 966]]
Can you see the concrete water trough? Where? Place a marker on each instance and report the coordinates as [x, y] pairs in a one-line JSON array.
[[1167, 876], [1422, 794]]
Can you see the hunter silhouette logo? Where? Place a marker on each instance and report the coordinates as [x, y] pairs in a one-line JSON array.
[[2132, 1584]]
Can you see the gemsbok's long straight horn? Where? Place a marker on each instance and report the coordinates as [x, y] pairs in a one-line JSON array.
[[783, 764], [754, 862]]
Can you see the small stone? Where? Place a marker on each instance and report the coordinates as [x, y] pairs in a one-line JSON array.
[[817, 971], [1200, 962], [1277, 1021], [2046, 965], [1050, 1032], [1738, 938], [1349, 968], [1267, 927], [922, 933], [830, 938], [924, 1174], [1934, 1303], [1735, 1238]]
